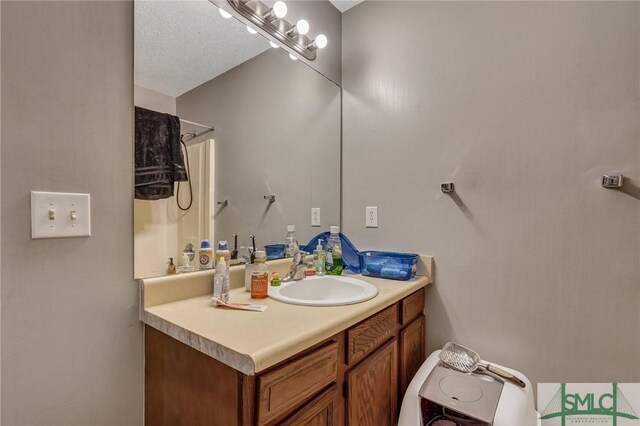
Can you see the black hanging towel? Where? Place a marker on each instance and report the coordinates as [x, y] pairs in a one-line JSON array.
[[159, 161]]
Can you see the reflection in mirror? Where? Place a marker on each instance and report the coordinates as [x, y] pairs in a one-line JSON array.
[[275, 151]]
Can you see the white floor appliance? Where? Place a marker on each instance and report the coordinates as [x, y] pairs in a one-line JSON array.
[[441, 396]]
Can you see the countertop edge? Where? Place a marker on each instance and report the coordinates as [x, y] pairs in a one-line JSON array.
[[240, 362]]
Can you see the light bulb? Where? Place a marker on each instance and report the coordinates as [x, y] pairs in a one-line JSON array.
[[225, 14], [274, 45], [302, 27], [321, 41], [251, 30], [280, 9], [292, 57]]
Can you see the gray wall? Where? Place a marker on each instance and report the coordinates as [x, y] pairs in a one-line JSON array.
[[71, 340], [277, 132], [524, 106]]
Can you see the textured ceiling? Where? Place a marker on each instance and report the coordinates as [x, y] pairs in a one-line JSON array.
[[181, 44], [344, 5]]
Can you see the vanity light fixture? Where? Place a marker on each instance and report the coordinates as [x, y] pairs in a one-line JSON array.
[[225, 14], [271, 20], [301, 27], [293, 57], [279, 9], [274, 45], [321, 41]]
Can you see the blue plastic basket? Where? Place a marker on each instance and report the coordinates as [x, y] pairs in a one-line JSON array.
[[384, 264], [350, 255], [274, 251]]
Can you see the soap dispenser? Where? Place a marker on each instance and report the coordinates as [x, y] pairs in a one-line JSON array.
[[171, 269]]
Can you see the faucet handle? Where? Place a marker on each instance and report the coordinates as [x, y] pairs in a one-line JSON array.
[[298, 257]]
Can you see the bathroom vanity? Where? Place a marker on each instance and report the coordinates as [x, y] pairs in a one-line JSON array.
[[288, 365]]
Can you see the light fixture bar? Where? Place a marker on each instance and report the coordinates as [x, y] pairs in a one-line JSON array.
[[260, 15]]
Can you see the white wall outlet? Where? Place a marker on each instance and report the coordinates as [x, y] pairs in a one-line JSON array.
[[315, 216], [60, 215], [371, 220]]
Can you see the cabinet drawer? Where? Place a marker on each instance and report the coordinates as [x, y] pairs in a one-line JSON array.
[[320, 411], [412, 306], [288, 386], [371, 333]]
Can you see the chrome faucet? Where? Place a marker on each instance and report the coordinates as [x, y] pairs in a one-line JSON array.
[[298, 267]]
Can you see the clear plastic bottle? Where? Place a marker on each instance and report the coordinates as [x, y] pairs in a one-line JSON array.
[[334, 252], [260, 277], [221, 281], [291, 246], [319, 259]]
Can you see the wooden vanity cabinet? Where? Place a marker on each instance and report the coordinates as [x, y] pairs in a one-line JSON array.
[[357, 377]]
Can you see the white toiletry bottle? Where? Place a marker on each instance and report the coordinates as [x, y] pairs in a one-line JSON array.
[[221, 281], [291, 242], [186, 266]]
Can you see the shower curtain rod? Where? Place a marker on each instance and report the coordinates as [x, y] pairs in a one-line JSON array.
[[193, 134]]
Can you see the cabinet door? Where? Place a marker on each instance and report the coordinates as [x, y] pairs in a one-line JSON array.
[[412, 354], [321, 411], [372, 388]]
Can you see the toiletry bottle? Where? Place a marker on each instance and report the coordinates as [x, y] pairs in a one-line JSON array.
[[291, 242], [334, 252], [221, 281], [205, 255], [319, 259], [223, 251], [171, 269], [260, 277], [186, 266]]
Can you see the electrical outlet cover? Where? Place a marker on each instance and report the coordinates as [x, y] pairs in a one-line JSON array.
[[371, 219], [315, 216]]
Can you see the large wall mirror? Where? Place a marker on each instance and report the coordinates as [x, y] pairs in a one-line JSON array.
[[275, 151]]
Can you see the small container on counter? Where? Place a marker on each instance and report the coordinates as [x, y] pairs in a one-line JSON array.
[[384, 264]]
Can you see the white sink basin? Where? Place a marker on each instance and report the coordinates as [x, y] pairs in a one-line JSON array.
[[324, 291]]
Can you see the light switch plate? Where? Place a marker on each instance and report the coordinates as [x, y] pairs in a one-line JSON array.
[[315, 216], [60, 215]]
